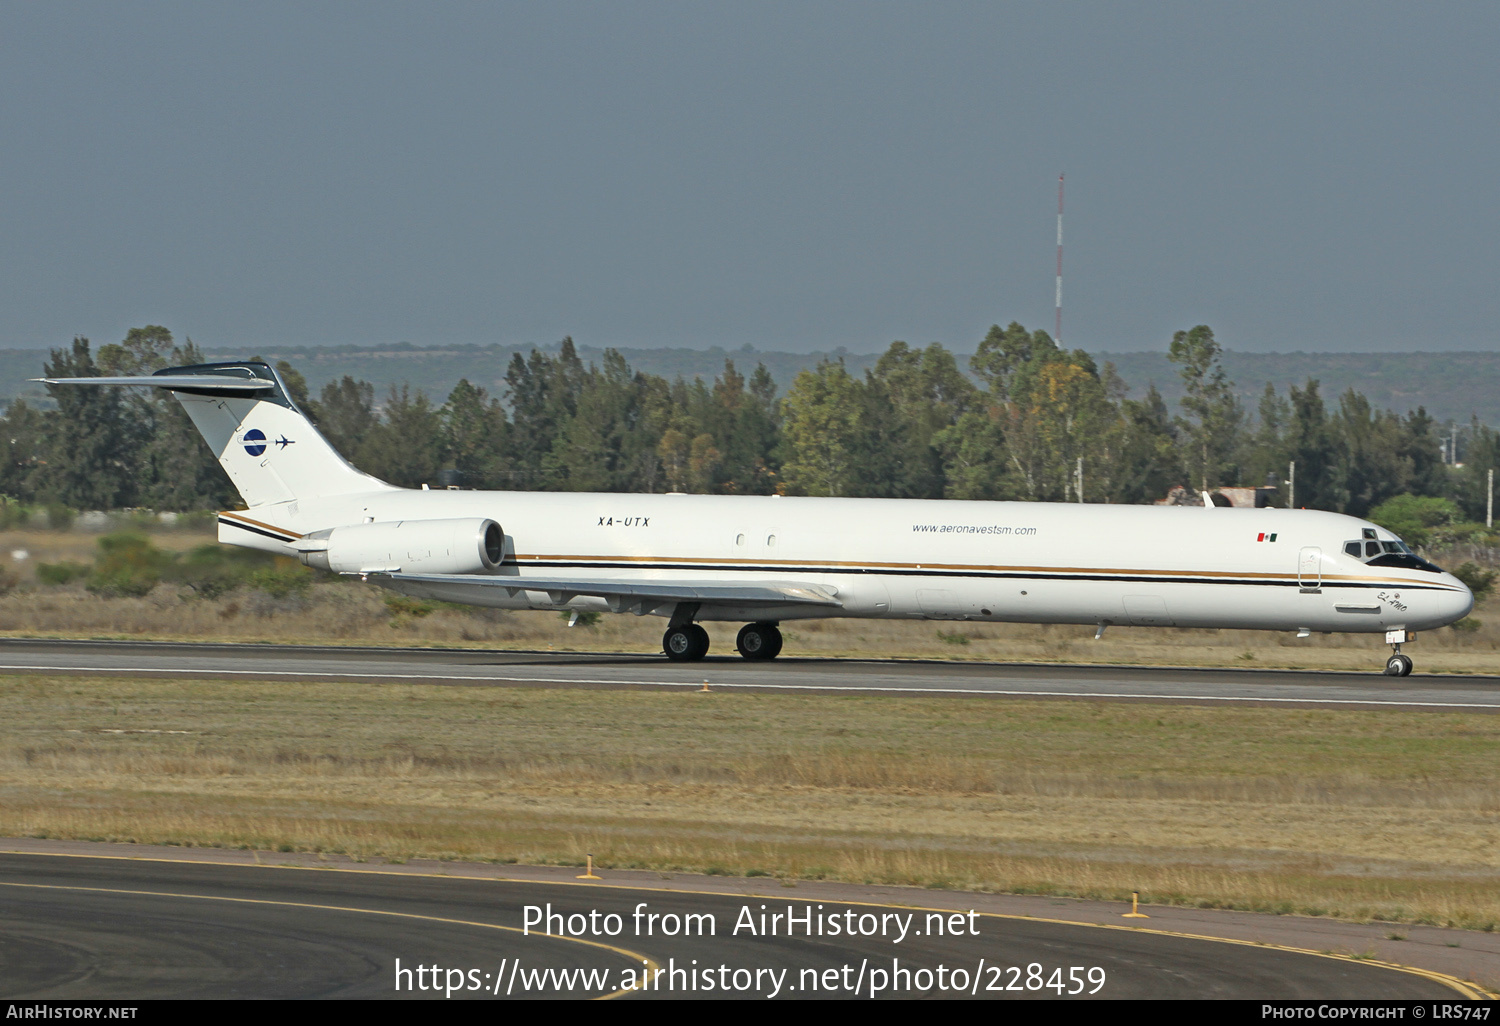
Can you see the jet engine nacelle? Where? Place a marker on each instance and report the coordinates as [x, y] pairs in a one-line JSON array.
[[470, 546]]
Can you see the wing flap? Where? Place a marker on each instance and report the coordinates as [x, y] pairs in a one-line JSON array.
[[628, 593]]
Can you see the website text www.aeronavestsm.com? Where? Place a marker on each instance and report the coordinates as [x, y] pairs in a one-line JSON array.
[[994, 529]]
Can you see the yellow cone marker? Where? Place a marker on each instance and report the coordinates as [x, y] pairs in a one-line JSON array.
[[705, 687], [590, 874], [1135, 907]]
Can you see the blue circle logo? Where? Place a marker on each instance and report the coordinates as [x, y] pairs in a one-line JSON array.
[[254, 441]]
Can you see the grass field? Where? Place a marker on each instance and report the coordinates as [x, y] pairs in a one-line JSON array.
[[1390, 815]]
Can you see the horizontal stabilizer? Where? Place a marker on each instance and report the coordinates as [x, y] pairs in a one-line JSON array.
[[623, 594], [199, 383]]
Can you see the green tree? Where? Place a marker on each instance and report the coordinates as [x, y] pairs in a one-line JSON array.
[[1068, 414], [544, 392], [973, 452], [1469, 485], [93, 443], [1214, 412], [1420, 448], [1054, 408], [143, 351], [475, 435], [405, 448], [1310, 442], [348, 414], [601, 447], [739, 418], [1416, 519], [1265, 451], [23, 450], [1146, 463], [822, 418], [928, 394], [1005, 353], [1368, 464]]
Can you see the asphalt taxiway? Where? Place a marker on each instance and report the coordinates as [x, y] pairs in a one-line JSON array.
[[92, 927]]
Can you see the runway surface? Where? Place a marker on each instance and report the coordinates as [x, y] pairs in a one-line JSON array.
[[82, 928], [490, 668]]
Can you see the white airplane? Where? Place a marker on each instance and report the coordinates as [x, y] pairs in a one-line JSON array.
[[765, 559]]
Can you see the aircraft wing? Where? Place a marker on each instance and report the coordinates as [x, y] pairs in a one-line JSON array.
[[624, 595]]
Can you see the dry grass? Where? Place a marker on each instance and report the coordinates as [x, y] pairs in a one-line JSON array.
[[1360, 814]]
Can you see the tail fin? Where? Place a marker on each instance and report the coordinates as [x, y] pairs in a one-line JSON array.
[[269, 448]]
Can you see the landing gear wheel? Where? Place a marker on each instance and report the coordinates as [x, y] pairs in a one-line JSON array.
[[685, 644], [759, 641], [1398, 666]]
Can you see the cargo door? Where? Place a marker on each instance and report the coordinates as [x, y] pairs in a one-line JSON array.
[[939, 604], [1147, 611]]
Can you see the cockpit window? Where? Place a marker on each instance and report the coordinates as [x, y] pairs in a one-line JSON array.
[[1387, 553], [1405, 561], [1368, 532]]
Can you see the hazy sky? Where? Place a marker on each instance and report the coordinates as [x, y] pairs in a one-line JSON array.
[[1316, 176]]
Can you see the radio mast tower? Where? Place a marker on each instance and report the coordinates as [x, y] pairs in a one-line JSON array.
[[1057, 333]]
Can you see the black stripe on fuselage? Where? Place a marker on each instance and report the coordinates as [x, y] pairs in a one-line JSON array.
[[968, 574], [257, 530]]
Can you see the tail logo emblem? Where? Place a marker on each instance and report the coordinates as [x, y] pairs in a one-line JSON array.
[[284, 441], [254, 441]]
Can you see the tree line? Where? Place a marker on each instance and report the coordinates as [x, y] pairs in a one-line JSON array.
[[1020, 424]]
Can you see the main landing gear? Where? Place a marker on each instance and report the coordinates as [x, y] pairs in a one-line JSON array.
[[1397, 665], [685, 644], [759, 641], [688, 642]]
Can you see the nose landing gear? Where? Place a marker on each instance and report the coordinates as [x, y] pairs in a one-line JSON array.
[[1397, 665]]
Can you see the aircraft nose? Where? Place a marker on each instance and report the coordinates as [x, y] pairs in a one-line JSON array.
[[1458, 603]]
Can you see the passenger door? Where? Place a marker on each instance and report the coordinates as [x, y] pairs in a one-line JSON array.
[[1310, 569]]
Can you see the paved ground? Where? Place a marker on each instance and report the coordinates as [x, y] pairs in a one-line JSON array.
[[85, 920], [486, 668]]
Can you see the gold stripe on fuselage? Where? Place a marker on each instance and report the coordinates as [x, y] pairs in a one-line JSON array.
[[236, 518], [810, 566]]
